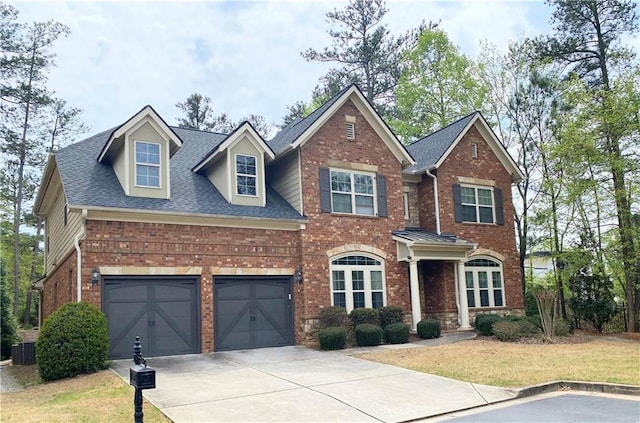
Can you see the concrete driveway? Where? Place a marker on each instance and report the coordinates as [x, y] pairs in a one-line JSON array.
[[298, 384]]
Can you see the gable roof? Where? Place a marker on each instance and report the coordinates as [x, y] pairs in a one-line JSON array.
[[298, 132], [83, 177], [244, 127], [433, 149], [146, 111]]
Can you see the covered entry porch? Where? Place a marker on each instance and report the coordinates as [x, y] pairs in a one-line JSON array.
[[415, 245]]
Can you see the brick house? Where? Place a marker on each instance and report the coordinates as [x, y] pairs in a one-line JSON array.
[[202, 242]]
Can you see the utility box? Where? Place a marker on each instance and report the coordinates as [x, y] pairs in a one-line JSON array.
[[142, 377]]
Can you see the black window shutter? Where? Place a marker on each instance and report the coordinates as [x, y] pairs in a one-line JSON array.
[[325, 190], [497, 192], [457, 203], [382, 195]]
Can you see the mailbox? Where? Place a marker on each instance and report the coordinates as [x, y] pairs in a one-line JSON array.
[[142, 377]]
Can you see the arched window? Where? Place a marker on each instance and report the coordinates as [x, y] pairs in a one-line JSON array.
[[357, 281], [485, 288]]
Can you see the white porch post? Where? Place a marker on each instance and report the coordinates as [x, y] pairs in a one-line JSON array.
[[462, 291], [416, 315]]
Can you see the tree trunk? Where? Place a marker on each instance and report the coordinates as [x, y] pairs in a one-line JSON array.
[[26, 321]]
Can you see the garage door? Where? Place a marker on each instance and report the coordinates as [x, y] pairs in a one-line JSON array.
[[252, 313], [162, 311]]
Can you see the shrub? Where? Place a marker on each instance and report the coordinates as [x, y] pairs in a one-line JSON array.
[[390, 315], [365, 315], [332, 317], [429, 328], [479, 318], [8, 330], [530, 304], [484, 323], [512, 329], [397, 333], [73, 340], [368, 335], [562, 327], [332, 338]]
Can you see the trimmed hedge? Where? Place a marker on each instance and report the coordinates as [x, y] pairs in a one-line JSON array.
[[332, 316], [365, 315], [73, 340], [390, 315], [484, 323], [332, 338], [368, 335], [428, 328], [511, 329], [397, 333]]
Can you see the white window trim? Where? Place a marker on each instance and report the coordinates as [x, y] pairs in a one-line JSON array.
[[353, 193], [255, 177], [136, 163], [490, 288], [348, 285], [477, 204]]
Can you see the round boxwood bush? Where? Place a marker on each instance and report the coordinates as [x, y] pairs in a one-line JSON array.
[[73, 340], [332, 338], [396, 333], [332, 316], [368, 335], [365, 315], [390, 315], [485, 322], [428, 328]]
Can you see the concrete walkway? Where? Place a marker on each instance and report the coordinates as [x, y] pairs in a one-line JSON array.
[[299, 384]]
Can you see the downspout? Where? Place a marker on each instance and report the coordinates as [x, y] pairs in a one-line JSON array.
[[435, 198], [76, 241]]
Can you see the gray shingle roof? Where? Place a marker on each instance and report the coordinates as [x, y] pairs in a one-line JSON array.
[[90, 183], [428, 150], [293, 130]]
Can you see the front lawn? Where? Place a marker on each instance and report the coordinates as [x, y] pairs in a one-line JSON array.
[[490, 362], [98, 397]]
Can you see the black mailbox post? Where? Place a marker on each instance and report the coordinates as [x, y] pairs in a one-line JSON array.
[[140, 377]]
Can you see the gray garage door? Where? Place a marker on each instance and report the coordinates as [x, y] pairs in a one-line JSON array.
[[252, 312], [163, 311]]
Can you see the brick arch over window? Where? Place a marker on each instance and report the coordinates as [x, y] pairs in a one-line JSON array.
[[486, 252], [356, 248]]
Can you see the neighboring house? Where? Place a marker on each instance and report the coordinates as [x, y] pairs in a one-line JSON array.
[[538, 264], [204, 242]]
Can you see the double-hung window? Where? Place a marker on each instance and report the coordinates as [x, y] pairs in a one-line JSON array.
[[147, 164], [477, 204], [353, 192], [246, 175], [483, 278], [357, 281]]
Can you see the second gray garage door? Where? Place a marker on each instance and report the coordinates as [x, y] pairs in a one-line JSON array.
[[253, 312]]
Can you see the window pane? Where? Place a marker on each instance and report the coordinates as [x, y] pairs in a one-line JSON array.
[[468, 195], [338, 280], [358, 299], [471, 301], [469, 214], [376, 300], [147, 153], [497, 279], [481, 263], [340, 181], [341, 203], [486, 214], [339, 299], [364, 205], [376, 280], [246, 185], [484, 298], [497, 298], [363, 184], [484, 197], [482, 280], [357, 280], [148, 176], [469, 279]]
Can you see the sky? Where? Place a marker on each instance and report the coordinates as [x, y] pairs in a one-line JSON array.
[[245, 55]]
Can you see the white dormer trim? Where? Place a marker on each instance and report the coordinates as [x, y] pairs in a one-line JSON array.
[[492, 140], [135, 122], [374, 119]]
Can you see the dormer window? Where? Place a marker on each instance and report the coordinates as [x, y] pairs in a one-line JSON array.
[[246, 175], [147, 164]]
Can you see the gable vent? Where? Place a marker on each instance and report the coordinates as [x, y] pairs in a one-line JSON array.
[[351, 131]]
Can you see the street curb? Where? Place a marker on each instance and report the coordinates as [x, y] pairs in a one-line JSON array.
[[569, 385]]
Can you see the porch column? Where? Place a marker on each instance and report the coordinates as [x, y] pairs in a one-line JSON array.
[[416, 315], [462, 291]]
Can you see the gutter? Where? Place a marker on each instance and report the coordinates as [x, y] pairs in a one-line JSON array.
[[436, 199], [76, 242]]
